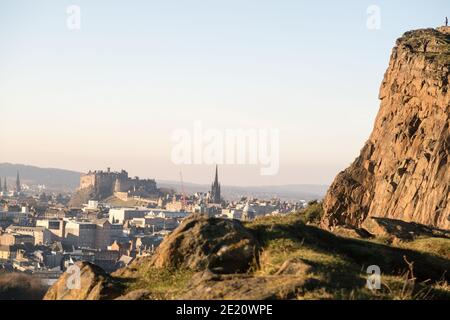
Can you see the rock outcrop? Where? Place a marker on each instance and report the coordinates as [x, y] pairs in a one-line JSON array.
[[94, 284], [398, 229], [200, 242], [403, 171], [209, 286]]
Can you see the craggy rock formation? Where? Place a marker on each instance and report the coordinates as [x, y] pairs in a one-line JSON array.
[[200, 242], [95, 284], [403, 171]]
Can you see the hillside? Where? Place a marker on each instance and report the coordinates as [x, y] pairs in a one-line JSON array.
[[403, 171], [53, 179], [284, 192], [271, 258]]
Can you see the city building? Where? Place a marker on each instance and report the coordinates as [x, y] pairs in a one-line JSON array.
[[106, 183], [120, 215], [9, 252], [167, 214], [11, 239], [55, 227], [248, 213], [106, 233], [155, 223], [232, 213], [41, 235], [92, 205], [80, 234], [97, 234]]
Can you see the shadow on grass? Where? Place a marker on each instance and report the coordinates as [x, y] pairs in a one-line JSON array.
[[363, 253]]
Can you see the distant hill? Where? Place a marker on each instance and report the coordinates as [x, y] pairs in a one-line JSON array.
[[284, 192], [53, 179], [67, 180]]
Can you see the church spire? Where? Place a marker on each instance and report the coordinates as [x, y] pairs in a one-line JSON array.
[[5, 187], [216, 180], [18, 187], [215, 189]]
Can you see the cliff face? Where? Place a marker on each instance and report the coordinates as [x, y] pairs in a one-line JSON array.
[[403, 171]]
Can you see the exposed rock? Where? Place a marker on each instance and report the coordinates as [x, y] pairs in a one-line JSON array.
[[82, 196], [444, 29], [95, 284], [140, 294], [200, 242], [352, 232], [294, 267], [403, 171], [404, 230], [207, 286]]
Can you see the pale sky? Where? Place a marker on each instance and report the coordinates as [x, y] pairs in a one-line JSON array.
[[112, 93]]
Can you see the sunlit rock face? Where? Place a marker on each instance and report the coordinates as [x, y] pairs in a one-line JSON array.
[[403, 171]]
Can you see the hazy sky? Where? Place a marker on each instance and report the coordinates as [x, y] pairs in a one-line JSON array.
[[113, 92]]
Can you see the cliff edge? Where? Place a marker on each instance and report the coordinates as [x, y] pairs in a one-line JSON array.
[[403, 171]]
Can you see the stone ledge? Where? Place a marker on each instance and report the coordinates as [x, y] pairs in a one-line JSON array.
[[445, 30]]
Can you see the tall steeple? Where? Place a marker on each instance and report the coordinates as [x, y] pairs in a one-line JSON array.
[[18, 187], [215, 189], [5, 187]]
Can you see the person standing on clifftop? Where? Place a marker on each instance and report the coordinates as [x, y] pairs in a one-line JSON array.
[[446, 21]]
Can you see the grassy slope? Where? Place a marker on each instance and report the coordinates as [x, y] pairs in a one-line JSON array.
[[338, 264]]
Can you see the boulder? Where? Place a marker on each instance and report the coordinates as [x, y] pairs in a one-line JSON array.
[[200, 242], [94, 284]]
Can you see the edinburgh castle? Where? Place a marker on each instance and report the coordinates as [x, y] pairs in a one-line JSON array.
[[103, 184]]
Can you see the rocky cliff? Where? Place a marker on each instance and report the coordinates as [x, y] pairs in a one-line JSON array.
[[403, 171]]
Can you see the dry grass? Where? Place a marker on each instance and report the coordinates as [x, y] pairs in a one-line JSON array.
[[160, 282], [338, 264], [332, 266], [19, 286]]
